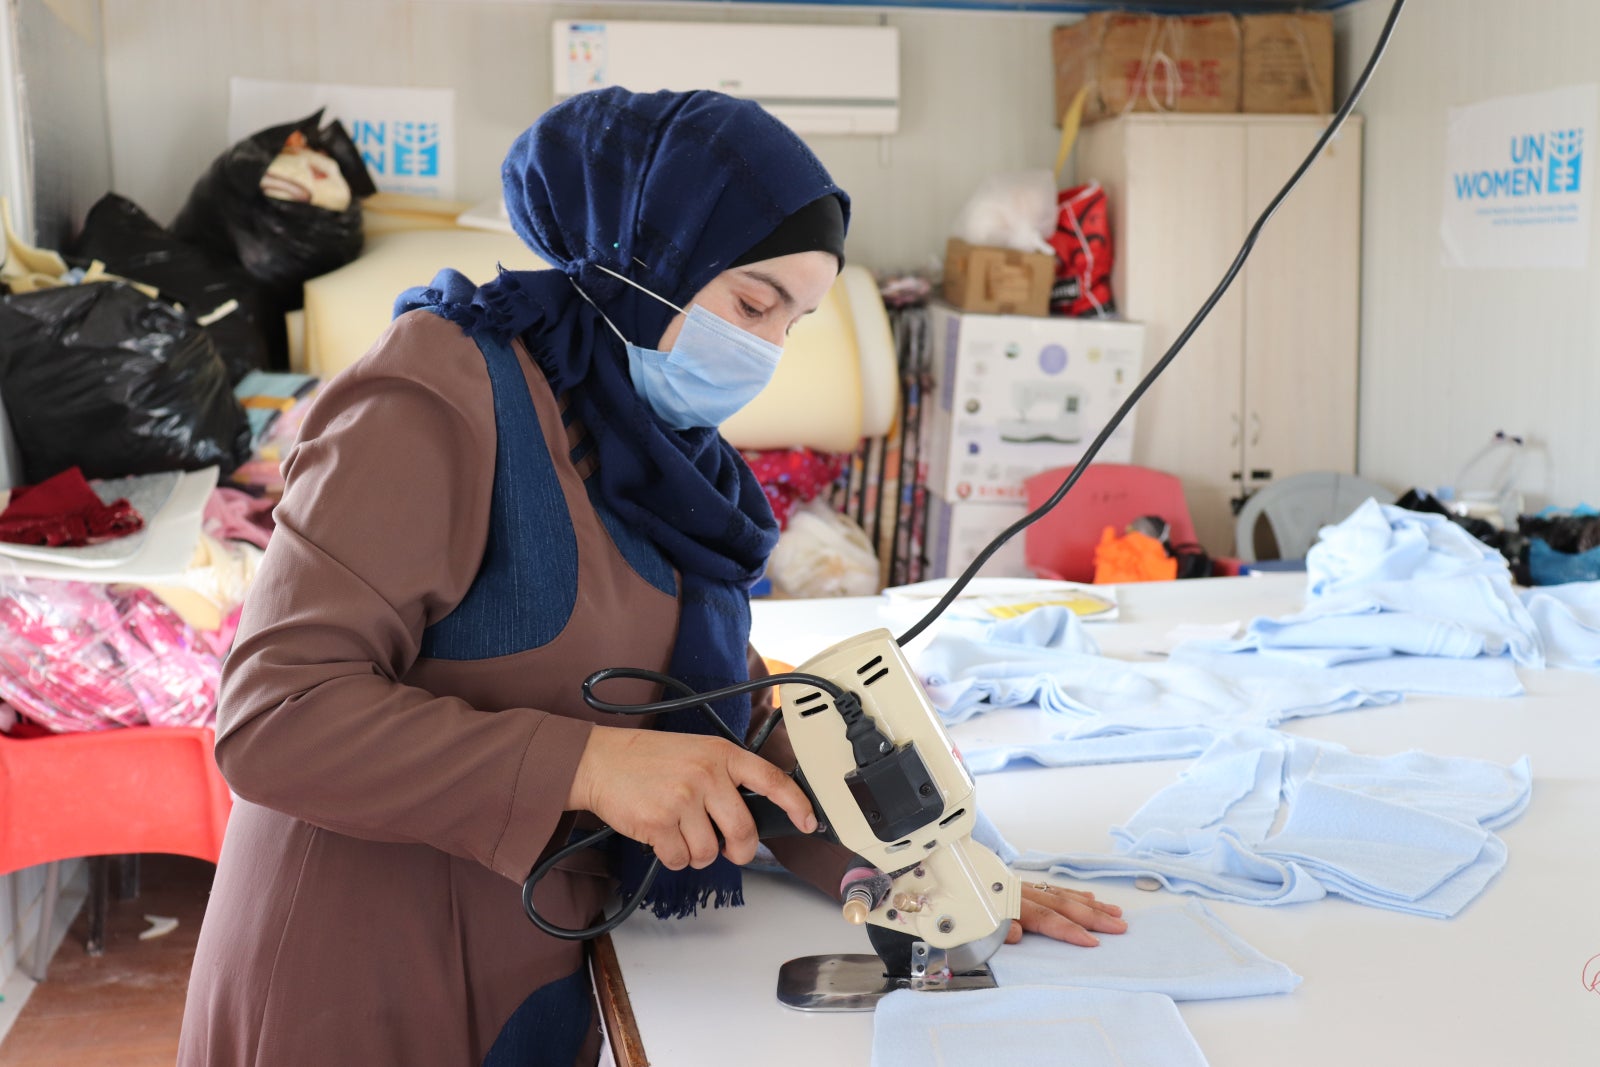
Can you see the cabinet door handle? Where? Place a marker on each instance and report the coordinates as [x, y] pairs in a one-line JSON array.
[[1259, 475], [1234, 418], [1255, 429]]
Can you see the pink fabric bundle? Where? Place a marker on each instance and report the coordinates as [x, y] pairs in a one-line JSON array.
[[76, 657], [234, 515]]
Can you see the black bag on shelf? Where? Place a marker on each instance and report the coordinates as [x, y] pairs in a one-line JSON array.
[[280, 243], [133, 245], [101, 376]]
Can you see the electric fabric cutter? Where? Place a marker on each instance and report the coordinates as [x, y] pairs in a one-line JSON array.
[[887, 782]]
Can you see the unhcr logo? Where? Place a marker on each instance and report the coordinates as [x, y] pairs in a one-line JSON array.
[[398, 149], [1544, 164]]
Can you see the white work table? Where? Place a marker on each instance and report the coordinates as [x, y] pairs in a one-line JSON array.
[[1501, 983]]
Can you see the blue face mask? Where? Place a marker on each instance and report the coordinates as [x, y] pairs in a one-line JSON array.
[[713, 369]]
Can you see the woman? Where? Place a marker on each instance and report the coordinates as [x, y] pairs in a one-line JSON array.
[[520, 484]]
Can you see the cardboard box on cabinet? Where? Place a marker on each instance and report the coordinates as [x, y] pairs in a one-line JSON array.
[[1131, 62], [1288, 64]]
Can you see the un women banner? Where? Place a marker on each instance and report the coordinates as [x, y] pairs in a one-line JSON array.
[[1519, 180]]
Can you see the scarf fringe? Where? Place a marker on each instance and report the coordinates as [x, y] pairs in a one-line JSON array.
[[674, 896]]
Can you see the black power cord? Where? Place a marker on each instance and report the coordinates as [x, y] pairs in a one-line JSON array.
[[846, 702], [843, 700], [1177, 345]]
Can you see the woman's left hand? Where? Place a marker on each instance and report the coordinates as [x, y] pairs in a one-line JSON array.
[[1064, 914]]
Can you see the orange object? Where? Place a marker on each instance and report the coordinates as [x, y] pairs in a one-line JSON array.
[[1062, 544], [113, 792], [1131, 557]]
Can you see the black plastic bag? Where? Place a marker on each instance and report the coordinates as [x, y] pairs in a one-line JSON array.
[[133, 245], [280, 243], [102, 377]]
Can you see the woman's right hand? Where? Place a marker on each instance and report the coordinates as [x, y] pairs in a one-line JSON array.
[[676, 792]]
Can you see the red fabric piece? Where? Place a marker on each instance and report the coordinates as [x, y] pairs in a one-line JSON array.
[[791, 476], [64, 512]]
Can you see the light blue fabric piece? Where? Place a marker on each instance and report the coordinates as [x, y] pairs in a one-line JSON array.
[[1459, 617], [1465, 790], [1237, 783], [1568, 618], [1405, 832], [1365, 677], [1383, 543], [965, 671], [1180, 950], [989, 662], [1142, 746], [1022, 1025], [987, 834], [1210, 863], [1362, 845]]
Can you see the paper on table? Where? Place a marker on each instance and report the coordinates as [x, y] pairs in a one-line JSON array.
[[1004, 598]]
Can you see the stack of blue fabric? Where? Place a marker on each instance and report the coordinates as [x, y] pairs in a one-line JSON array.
[[1398, 602], [1265, 818], [1568, 618], [1391, 582]]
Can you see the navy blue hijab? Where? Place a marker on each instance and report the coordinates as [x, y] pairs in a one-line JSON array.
[[668, 189]]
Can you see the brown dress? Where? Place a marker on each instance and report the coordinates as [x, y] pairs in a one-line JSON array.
[[367, 906]]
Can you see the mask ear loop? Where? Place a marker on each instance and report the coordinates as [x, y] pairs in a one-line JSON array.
[[629, 281], [603, 316], [626, 281]]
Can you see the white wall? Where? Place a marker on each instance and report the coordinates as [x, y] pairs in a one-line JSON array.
[[62, 79], [1449, 356], [976, 91]]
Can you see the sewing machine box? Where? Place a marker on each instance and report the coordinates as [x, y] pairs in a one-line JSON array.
[[1132, 62], [1016, 395], [958, 531], [1287, 63]]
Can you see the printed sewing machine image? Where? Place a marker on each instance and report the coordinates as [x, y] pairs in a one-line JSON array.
[[1046, 412], [886, 779]]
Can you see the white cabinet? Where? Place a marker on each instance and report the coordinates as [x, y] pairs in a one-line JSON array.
[[1267, 386]]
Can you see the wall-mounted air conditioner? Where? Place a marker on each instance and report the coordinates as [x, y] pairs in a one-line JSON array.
[[818, 79]]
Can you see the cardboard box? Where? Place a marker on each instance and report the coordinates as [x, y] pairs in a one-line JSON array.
[[1288, 64], [1014, 396], [1148, 63], [958, 531], [997, 281]]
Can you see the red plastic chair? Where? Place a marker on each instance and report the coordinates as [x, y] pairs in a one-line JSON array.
[[1061, 545], [115, 792]]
